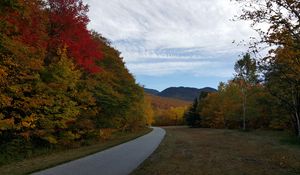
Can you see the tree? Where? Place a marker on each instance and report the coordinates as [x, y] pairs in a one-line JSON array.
[[52, 91], [283, 81], [59, 87], [246, 75], [281, 66], [177, 114], [222, 109], [118, 95], [22, 49], [246, 70], [68, 26], [192, 116], [148, 111]]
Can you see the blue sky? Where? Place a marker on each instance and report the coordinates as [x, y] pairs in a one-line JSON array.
[[173, 42]]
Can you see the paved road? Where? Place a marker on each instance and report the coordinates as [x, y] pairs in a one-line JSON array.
[[118, 160]]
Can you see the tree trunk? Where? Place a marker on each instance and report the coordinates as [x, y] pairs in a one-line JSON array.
[[297, 124], [244, 108], [296, 106]]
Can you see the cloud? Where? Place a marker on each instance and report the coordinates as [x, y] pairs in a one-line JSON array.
[[162, 37], [198, 68]]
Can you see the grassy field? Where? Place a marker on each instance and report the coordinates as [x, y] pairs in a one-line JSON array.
[[227, 152], [58, 157]]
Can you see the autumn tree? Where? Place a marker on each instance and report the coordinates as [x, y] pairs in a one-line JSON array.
[[283, 81], [170, 116], [120, 96], [281, 66], [68, 26], [59, 85], [223, 108], [52, 92], [148, 111], [22, 49], [246, 76]]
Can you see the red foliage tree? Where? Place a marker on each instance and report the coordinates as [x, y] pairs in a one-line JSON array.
[[68, 26], [25, 22]]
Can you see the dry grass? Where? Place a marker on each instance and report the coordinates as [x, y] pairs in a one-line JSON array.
[[226, 152], [59, 157]]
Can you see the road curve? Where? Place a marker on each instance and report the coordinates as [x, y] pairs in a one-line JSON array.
[[118, 160]]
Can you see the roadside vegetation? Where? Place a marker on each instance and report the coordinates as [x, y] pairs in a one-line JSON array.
[[61, 85], [265, 91]]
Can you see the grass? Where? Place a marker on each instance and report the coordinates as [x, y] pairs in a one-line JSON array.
[[197, 151], [58, 157]]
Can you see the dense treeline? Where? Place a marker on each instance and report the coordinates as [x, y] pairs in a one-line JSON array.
[[243, 102], [167, 111], [224, 109], [60, 84], [169, 117], [271, 100]]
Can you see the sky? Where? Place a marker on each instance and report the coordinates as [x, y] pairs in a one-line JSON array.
[[168, 43]]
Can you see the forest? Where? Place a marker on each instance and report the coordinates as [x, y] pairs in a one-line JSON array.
[[265, 90], [241, 103], [166, 111], [61, 85]]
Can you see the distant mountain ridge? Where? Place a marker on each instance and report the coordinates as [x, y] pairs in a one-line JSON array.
[[182, 93], [151, 91]]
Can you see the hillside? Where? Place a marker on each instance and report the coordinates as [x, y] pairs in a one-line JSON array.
[[167, 111], [165, 102], [151, 91], [184, 93], [181, 93]]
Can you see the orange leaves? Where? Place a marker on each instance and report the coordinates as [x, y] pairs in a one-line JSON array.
[[29, 121], [3, 75], [10, 123], [6, 124], [5, 100]]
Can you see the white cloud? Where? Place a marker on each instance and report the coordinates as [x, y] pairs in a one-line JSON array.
[[157, 31], [200, 68], [164, 68]]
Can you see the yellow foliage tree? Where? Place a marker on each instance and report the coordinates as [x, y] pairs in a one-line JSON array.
[[148, 111]]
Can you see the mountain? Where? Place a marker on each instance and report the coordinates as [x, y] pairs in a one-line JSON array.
[[165, 102], [182, 93], [151, 91]]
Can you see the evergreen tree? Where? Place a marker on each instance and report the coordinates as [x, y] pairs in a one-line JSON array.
[[192, 116]]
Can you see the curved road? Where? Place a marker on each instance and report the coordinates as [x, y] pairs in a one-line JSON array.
[[118, 160]]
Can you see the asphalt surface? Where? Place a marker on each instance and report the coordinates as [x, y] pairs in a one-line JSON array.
[[118, 160]]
